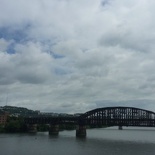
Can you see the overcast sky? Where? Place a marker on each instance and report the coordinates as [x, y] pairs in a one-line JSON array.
[[76, 55]]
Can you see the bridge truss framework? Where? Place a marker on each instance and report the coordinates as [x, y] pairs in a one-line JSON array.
[[108, 116]]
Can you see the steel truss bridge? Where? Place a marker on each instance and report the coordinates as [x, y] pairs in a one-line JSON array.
[[108, 116]]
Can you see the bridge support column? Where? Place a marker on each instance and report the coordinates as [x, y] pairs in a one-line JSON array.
[[32, 128], [120, 128], [53, 129], [81, 131]]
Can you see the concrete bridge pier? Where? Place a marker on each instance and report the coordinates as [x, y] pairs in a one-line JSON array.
[[120, 127], [32, 128], [81, 131], [54, 129]]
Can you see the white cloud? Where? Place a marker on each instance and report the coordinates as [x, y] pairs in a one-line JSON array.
[[73, 54]]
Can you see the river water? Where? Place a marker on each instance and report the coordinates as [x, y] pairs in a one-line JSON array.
[[108, 141]]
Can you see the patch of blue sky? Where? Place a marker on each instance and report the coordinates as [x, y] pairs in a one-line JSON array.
[[16, 34], [61, 71], [57, 56], [11, 49]]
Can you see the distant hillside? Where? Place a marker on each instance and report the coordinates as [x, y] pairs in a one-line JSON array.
[[18, 111]]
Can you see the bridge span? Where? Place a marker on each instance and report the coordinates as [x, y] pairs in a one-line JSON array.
[[107, 116]]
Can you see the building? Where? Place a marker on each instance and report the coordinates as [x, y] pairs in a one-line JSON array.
[[3, 117]]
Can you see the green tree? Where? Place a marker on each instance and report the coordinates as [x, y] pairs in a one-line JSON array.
[[15, 125]]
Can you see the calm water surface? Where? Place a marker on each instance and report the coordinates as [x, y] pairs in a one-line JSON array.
[[109, 141]]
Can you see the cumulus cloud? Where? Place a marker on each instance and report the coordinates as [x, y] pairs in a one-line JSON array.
[[64, 55]]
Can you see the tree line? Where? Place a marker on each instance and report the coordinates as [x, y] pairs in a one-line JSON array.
[[17, 125]]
